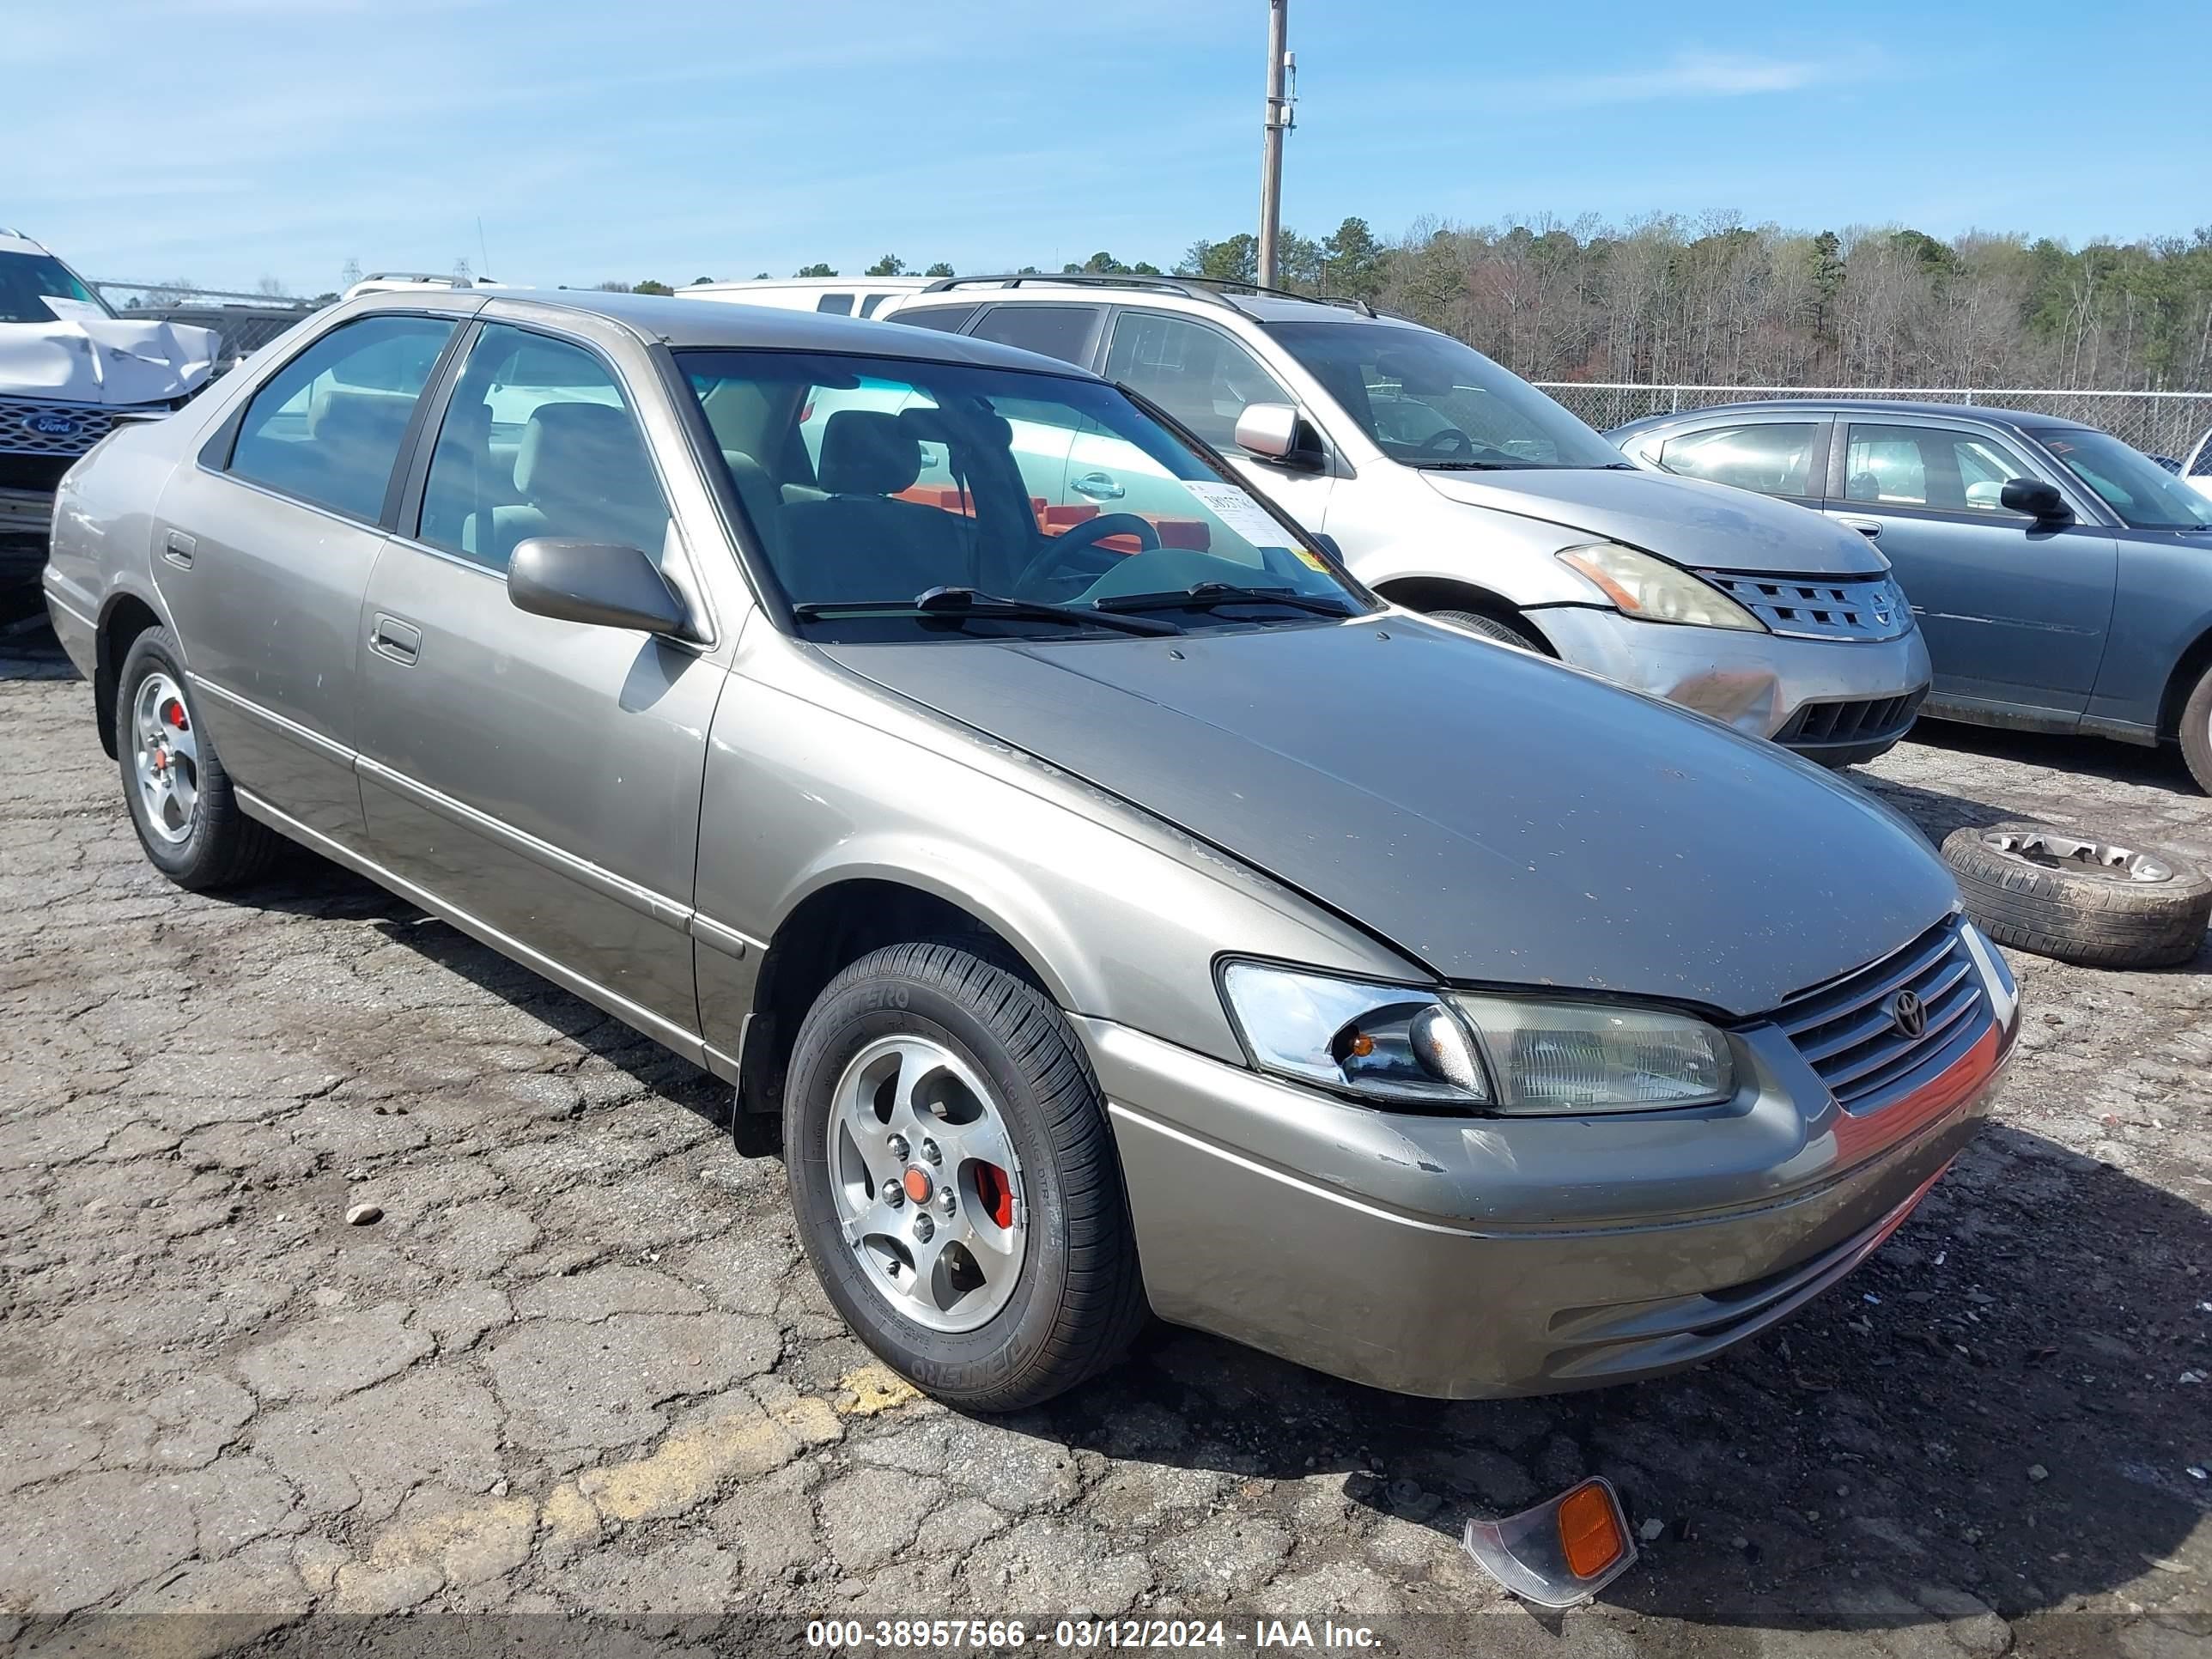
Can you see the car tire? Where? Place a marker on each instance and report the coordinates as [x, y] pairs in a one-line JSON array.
[[1504, 632], [990, 1053], [2196, 733], [2060, 895], [192, 829]]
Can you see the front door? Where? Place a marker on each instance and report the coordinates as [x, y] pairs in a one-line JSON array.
[[1206, 378], [2015, 613], [542, 776], [263, 552]]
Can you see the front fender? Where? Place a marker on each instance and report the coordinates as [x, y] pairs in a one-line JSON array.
[[816, 777]]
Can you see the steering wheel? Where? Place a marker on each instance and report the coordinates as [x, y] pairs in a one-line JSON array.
[[1078, 537], [1449, 441]]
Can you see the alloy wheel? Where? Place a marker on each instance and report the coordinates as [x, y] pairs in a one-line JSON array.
[[166, 758], [928, 1186]]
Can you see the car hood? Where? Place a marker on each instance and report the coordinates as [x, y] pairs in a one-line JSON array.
[[89, 357], [1707, 526], [1497, 816]]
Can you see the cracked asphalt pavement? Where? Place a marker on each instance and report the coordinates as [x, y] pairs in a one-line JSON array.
[[579, 1367]]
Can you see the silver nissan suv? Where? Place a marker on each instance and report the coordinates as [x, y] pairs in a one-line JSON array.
[[1455, 488]]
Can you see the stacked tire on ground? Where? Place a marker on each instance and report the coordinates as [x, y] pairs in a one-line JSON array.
[[2092, 903]]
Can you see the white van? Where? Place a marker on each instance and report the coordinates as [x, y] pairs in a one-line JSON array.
[[843, 296]]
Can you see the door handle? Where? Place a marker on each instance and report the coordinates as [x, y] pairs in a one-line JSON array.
[[1099, 486], [1869, 528], [392, 638], [177, 548]]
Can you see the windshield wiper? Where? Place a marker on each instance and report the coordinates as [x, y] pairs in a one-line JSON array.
[[954, 603], [1208, 596]]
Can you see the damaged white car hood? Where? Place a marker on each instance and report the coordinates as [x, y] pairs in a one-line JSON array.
[[87, 356]]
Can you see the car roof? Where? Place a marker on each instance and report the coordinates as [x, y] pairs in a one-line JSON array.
[[13, 242], [1167, 292], [1846, 405], [687, 325]]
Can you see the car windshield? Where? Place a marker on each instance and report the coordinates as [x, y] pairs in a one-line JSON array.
[[27, 281], [2144, 494], [896, 499], [1428, 400]]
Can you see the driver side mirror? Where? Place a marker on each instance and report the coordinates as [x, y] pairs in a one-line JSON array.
[[2040, 501], [1278, 433], [601, 584]]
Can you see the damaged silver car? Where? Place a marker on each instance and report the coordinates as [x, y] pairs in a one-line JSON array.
[[1112, 910]]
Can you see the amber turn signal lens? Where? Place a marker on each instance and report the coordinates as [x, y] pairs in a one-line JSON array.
[[1589, 1536]]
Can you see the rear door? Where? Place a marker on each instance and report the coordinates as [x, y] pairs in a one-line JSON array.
[[542, 776], [265, 547], [2015, 613]]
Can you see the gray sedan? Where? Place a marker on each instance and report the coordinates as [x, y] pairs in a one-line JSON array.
[[2063, 580], [1111, 908]]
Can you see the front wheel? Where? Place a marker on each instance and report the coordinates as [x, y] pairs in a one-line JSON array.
[[2196, 733], [1492, 628], [955, 1179]]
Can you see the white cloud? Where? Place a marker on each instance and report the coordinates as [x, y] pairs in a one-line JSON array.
[[1686, 74]]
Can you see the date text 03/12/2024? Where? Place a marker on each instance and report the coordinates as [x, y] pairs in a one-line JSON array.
[[1259, 1635]]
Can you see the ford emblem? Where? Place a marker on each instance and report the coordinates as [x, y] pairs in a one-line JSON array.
[[52, 423]]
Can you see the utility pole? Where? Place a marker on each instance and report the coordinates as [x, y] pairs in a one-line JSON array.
[[1271, 152]]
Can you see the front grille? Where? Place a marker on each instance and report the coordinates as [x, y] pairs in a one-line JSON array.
[[1817, 724], [80, 426], [1819, 607], [39, 473], [1848, 1032]]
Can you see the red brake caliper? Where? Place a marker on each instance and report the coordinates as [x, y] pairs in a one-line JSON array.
[[996, 1192], [173, 712]]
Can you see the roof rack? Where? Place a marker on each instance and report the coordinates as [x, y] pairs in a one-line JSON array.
[[1214, 290], [446, 277]]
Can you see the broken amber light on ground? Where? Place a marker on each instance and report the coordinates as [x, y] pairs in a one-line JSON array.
[[1589, 1536]]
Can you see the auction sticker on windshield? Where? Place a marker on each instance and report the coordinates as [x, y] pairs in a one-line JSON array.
[[1236, 509]]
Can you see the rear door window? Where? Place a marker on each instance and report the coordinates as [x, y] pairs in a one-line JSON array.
[[327, 426], [1067, 332], [950, 318], [1774, 458]]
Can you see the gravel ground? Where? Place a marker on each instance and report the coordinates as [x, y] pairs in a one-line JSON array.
[[577, 1367]]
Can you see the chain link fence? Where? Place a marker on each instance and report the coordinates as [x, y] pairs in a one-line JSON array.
[[2157, 423]]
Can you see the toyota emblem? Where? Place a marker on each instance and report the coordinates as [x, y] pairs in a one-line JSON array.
[[1908, 1013]]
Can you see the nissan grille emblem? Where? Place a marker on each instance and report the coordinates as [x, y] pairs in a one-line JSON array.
[[1908, 1013]]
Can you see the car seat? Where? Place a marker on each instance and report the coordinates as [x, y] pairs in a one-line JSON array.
[[581, 473], [857, 543]]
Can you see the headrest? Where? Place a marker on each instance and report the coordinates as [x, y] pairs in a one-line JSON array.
[[865, 452], [578, 449], [361, 417]]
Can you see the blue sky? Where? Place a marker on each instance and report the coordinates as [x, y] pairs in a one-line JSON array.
[[227, 140]]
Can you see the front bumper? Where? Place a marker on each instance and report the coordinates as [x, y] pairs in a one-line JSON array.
[[26, 512], [1463, 1258], [1839, 702]]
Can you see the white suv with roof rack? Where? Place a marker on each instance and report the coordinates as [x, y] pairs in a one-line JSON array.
[[70, 369], [1453, 487], [840, 296]]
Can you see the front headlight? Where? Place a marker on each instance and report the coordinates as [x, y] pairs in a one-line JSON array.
[[1400, 1045], [1653, 590]]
